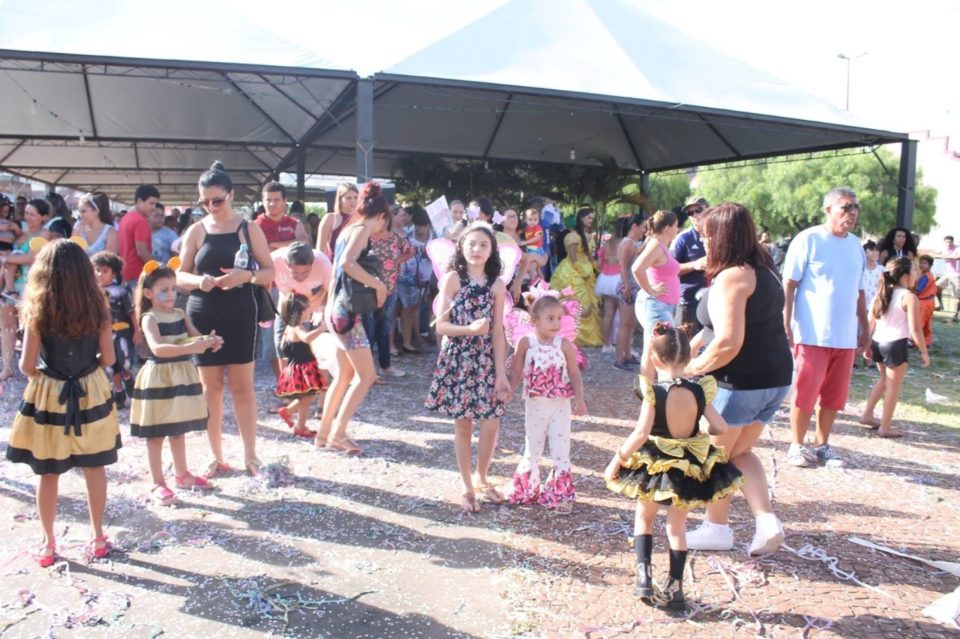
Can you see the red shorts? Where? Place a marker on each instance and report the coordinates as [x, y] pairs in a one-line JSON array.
[[824, 373]]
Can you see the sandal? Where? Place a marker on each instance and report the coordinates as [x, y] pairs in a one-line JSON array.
[[285, 416], [188, 481], [491, 494], [253, 467], [43, 559], [379, 380], [99, 552], [469, 503], [162, 495], [217, 468], [304, 432], [889, 434], [564, 508], [345, 445]]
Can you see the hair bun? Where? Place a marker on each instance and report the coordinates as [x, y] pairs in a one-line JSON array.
[[217, 166], [371, 190], [661, 328]]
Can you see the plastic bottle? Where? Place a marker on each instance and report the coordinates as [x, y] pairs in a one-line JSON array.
[[242, 259]]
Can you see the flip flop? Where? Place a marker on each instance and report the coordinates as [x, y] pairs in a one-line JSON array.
[[345, 445], [490, 493]]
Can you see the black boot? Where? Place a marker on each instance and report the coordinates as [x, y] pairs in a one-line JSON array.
[[671, 594], [643, 544]]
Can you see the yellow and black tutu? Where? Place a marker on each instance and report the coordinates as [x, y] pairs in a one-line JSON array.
[[167, 396], [685, 473], [65, 422]]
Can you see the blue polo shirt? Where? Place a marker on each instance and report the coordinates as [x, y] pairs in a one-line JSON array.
[[688, 247]]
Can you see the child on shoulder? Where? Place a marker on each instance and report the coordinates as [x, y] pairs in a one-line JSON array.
[[668, 461], [553, 390], [167, 397], [107, 267], [894, 319], [470, 380], [300, 378], [67, 418]]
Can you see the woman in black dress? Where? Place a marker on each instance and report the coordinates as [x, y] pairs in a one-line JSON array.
[[222, 301]]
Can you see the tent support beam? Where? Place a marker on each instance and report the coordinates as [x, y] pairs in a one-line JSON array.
[[364, 130], [12, 151], [259, 109], [626, 135], [287, 96], [720, 136], [907, 183], [496, 127], [86, 89], [258, 159], [301, 174], [645, 183], [136, 156]]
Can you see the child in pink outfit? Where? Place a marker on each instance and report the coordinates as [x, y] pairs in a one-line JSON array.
[[553, 390]]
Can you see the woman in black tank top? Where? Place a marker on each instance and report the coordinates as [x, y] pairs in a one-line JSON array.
[[222, 300], [746, 349]]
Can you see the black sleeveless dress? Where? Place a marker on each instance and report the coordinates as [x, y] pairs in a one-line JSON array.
[[232, 313], [685, 472]]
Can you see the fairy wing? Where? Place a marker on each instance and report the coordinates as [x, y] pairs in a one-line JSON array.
[[510, 255], [516, 326], [570, 322], [440, 251]]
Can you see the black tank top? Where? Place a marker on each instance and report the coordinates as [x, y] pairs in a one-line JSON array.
[[764, 360], [215, 254]]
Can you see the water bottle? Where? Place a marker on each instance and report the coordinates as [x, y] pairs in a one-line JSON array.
[[242, 259]]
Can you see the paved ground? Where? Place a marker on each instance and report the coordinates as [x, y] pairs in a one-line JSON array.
[[374, 546]]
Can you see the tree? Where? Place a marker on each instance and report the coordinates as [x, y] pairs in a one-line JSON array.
[[785, 195], [668, 191]]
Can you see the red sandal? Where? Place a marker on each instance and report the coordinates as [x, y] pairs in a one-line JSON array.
[[187, 481], [100, 552], [44, 560], [285, 416]]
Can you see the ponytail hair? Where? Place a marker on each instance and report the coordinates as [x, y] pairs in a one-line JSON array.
[[659, 221], [895, 269]]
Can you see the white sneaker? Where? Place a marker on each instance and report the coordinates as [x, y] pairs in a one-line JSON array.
[[801, 456], [393, 372], [768, 537], [707, 536], [607, 349]]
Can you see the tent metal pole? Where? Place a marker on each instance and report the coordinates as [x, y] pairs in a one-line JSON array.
[[907, 183], [364, 130], [645, 183], [301, 174]]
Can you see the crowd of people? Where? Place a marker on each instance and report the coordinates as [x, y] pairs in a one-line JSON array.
[[725, 336]]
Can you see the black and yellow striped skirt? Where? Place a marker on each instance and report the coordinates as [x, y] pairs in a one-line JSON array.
[[55, 430], [167, 400]]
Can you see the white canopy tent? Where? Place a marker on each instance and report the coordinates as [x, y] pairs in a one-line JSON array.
[[534, 80]]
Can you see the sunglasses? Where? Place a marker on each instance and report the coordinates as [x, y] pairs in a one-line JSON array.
[[850, 206], [695, 211], [216, 201]]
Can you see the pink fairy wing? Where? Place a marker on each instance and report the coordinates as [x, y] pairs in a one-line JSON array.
[[510, 255], [516, 325], [440, 251]]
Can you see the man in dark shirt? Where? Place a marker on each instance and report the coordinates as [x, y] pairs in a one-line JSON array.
[[688, 250]]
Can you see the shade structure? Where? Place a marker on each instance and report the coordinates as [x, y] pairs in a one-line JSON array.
[[110, 124], [557, 81]]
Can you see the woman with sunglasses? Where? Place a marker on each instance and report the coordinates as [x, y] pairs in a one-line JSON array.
[[222, 302]]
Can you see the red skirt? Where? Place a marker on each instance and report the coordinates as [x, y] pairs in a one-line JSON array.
[[301, 379]]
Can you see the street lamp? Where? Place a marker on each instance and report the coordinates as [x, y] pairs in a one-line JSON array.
[[849, 59]]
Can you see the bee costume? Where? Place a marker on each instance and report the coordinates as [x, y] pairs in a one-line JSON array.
[[685, 473]]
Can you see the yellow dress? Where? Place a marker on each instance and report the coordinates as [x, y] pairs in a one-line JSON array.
[[581, 277]]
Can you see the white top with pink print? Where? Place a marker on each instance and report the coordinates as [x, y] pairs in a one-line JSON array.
[[545, 369]]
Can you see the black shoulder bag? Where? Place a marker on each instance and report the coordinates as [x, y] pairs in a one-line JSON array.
[[266, 309]]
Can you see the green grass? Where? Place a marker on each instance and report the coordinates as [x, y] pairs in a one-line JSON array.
[[942, 377]]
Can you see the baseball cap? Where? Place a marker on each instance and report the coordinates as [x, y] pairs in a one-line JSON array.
[[695, 199]]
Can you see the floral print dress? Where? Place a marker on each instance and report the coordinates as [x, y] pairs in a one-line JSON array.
[[465, 376]]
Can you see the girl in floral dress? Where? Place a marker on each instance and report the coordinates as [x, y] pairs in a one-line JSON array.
[[547, 363], [470, 380]]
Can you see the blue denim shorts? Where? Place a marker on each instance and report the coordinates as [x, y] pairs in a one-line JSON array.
[[743, 407], [650, 310]]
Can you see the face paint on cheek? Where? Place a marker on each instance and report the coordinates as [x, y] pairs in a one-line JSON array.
[[164, 297]]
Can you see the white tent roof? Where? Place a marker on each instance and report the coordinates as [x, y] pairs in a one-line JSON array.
[[529, 81]]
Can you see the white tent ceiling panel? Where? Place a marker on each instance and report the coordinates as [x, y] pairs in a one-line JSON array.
[[34, 104], [57, 154]]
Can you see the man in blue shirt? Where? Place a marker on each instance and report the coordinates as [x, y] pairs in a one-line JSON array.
[[688, 250]]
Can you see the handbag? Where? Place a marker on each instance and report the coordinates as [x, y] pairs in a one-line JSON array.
[[355, 296], [266, 309]]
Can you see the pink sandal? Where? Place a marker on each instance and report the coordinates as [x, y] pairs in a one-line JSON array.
[[100, 552], [44, 560], [188, 481], [217, 468], [163, 495]]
